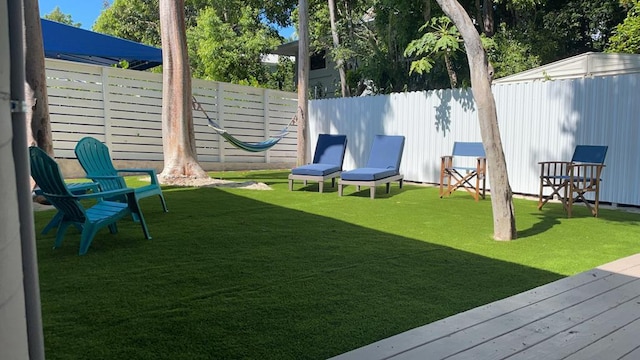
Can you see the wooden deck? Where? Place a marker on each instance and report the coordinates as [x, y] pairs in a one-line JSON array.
[[592, 315]]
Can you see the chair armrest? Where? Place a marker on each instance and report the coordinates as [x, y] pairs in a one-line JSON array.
[[148, 171], [100, 194], [106, 194], [98, 177]]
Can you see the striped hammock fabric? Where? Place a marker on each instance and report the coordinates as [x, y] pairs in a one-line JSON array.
[[246, 146]]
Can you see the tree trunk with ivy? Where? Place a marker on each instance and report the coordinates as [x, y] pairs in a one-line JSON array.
[[178, 138], [504, 221]]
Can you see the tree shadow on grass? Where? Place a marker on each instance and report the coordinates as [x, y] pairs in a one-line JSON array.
[[226, 276]]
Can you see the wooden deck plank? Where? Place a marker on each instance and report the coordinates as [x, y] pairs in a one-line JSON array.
[[572, 340], [533, 324], [479, 341], [619, 344], [535, 333], [635, 354]]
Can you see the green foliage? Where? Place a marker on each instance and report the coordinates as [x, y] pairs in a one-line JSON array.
[[59, 16], [283, 76], [228, 51], [579, 26], [626, 38], [441, 40], [226, 40], [136, 20], [511, 55]]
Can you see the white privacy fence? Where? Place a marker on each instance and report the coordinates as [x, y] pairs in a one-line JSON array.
[[538, 121], [123, 109]]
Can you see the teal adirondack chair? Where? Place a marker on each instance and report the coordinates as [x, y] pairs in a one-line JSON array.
[[46, 173], [96, 162]]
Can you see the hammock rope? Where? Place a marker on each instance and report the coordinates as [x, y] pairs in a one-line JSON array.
[[246, 146]]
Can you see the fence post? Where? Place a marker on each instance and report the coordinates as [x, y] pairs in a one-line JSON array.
[[220, 115], [106, 105], [265, 103]]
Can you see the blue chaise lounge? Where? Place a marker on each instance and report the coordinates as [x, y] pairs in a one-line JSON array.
[[383, 166], [327, 162]]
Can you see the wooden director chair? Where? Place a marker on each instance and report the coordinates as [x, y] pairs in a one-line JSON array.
[[571, 181], [453, 177]]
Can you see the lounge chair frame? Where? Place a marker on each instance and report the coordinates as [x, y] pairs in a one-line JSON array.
[[384, 158], [328, 155]]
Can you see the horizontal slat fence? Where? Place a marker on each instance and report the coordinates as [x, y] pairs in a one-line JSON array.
[[123, 108], [539, 121]]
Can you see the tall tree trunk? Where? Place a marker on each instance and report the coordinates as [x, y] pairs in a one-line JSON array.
[[336, 45], [504, 221], [426, 11], [178, 137], [303, 80], [37, 117], [488, 27], [453, 77], [479, 17]]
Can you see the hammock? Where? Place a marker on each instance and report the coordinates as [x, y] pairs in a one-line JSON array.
[[246, 146]]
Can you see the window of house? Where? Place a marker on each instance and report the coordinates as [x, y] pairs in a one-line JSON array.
[[318, 60]]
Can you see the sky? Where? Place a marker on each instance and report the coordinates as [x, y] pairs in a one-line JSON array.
[[86, 12], [83, 11]]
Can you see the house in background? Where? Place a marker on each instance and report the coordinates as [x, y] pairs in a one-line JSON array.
[[324, 80]]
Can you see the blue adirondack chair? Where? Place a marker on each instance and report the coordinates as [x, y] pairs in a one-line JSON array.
[[104, 213], [96, 162]]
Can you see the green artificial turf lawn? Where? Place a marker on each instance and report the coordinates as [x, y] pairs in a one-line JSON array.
[[247, 274]]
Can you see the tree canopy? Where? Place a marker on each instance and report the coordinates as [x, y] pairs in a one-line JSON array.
[[227, 38], [57, 15]]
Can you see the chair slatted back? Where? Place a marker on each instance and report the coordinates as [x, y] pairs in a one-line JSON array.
[[46, 172], [94, 157]]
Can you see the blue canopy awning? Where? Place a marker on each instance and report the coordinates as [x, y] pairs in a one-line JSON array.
[[75, 44]]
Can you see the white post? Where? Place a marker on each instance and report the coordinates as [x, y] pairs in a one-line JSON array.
[[13, 324], [265, 103], [20, 321], [220, 118], [106, 106]]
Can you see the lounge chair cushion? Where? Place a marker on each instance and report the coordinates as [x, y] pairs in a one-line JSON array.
[[316, 169], [368, 174], [386, 152], [330, 149]]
